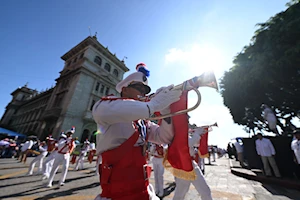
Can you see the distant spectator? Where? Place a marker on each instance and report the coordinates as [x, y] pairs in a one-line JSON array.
[[270, 117], [266, 151], [295, 145], [239, 151], [24, 149]]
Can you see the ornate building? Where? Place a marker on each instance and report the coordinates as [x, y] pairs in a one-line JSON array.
[[90, 72]]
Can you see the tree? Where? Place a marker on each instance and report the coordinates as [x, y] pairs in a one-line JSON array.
[[267, 71]]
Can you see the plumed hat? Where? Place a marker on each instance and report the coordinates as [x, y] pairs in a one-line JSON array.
[[72, 130], [137, 77]]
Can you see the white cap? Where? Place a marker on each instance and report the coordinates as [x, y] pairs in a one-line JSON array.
[[137, 77]]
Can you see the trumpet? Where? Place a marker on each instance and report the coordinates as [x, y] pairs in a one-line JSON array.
[[207, 79], [215, 124]]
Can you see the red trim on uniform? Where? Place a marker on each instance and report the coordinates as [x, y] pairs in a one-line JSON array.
[[123, 173], [69, 145]]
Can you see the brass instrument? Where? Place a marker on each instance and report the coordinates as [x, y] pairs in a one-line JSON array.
[[207, 79], [215, 124]]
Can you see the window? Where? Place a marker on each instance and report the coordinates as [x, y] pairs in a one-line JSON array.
[[97, 86], [98, 60], [75, 60], [69, 63], [81, 56], [93, 102], [107, 67], [116, 73], [102, 88], [107, 91]]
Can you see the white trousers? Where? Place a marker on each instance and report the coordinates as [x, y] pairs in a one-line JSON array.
[[158, 170], [48, 164], [270, 160], [60, 159], [39, 159], [80, 161], [182, 186]]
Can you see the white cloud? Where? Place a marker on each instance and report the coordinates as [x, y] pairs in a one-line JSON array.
[[198, 57]]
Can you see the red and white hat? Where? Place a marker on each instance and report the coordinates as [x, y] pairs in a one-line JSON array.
[[72, 130], [137, 77]]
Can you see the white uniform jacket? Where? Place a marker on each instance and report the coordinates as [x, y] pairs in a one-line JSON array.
[[115, 121]]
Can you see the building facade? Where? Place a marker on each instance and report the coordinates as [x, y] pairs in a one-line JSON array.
[[90, 72]]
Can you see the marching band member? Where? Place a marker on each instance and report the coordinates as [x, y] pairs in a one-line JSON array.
[[48, 163], [158, 152], [182, 186], [65, 146], [83, 152], [124, 174], [39, 158]]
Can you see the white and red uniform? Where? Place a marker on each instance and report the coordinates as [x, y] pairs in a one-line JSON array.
[[38, 159], [48, 163], [158, 152], [182, 186], [124, 174], [64, 147], [83, 152]]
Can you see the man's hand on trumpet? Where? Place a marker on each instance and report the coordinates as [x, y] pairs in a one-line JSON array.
[[163, 98]]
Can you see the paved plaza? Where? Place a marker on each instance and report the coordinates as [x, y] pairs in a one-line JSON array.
[[84, 184]]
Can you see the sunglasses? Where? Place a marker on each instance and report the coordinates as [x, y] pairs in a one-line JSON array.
[[139, 87]]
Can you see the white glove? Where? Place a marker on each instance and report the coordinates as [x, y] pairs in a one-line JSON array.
[[163, 99]]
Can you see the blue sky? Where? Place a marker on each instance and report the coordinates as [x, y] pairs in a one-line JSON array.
[[176, 39]]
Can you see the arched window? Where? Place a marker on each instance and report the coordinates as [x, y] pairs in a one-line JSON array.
[[116, 73], [98, 60], [107, 67]]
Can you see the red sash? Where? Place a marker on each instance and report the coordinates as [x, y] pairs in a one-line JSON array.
[[123, 173]]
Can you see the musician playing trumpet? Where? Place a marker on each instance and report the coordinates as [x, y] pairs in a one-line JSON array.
[[42, 153], [124, 174]]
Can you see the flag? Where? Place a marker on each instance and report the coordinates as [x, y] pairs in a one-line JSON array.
[[178, 159]]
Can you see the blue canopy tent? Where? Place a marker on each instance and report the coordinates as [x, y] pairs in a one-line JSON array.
[[11, 133]]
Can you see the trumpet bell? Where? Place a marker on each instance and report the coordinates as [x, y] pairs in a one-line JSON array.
[[206, 79]]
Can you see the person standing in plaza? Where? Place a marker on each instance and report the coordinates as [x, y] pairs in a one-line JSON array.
[[266, 151], [239, 151], [182, 186], [124, 174], [295, 145], [65, 146], [38, 159], [158, 152]]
